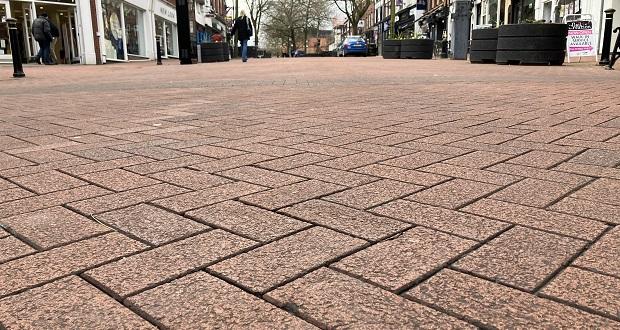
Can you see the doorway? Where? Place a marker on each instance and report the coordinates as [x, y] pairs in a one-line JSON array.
[[64, 48], [5, 44]]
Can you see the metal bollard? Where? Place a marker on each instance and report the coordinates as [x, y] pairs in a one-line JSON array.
[[615, 52], [18, 70], [609, 21], [158, 42]]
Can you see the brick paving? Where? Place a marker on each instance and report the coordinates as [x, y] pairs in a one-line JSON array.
[[304, 193]]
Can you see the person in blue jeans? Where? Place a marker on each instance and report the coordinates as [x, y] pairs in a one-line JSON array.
[[42, 33], [243, 28]]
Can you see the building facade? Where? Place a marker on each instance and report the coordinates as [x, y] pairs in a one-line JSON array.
[[102, 31]]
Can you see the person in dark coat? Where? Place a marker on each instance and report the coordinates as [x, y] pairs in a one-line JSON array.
[[243, 28], [42, 33]]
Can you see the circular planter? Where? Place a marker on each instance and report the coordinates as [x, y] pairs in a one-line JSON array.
[[483, 46], [416, 48], [391, 49], [531, 44]]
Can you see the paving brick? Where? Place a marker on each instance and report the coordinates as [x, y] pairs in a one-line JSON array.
[[402, 174], [287, 163], [5, 185], [106, 165], [478, 159], [521, 257], [595, 134], [191, 179], [454, 193], [46, 182], [496, 306], [398, 263], [231, 162], [493, 138], [118, 180], [44, 156], [69, 303], [291, 194], [545, 136], [270, 265], [33, 203], [332, 300], [393, 139], [261, 176], [100, 154], [151, 224], [8, 162], [332, 175], [126, 198], [345, 219], [212, 304], [158, 153], [601, 190], [453, 222], [151, 268], [598, 157], [587, 289], [540, 159], [589, 209], [214, 152], [8, 143], [495, 148], [14, 194], [49, 265], [447, 150], [11, 248], [344, 139], [590, 170], [443, 138], [548, 147], [541, 174], [533, 192], [559, 223], [416, 160], [471, 174], [269, 150], [193, 200], [373, 194], [52, 227], [324, 149], [378, 149], [353, 161], [249, 221], [164, 165], [603, 255]]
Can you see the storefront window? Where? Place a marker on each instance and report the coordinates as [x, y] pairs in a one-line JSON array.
[[171, 38], [134, 29], [114, 43], [527, 11], [492, 13]]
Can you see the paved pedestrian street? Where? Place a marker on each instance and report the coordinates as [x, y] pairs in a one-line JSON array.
[[310, 192]]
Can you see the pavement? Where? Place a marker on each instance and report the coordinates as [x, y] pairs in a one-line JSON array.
[[310, 192]]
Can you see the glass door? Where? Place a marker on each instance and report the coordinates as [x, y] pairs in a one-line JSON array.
[[5, 45]]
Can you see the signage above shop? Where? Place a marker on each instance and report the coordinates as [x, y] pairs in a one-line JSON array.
[[165, 11]]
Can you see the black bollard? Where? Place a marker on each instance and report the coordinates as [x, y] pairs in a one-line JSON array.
[[158, 49], [609, 21], [615, 52], [18, 70]]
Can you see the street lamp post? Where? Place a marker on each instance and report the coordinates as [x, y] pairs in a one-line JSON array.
[[185, 43]]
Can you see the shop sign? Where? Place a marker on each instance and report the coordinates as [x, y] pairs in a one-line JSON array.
[[580, 40], [165, 11]]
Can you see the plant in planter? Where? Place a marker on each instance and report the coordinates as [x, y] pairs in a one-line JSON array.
[[416, 47], [531, 44]]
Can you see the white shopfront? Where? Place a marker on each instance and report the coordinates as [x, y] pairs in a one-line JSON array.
[[165, 18], [71, 17]]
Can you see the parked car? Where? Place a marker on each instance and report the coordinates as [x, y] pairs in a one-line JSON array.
[[299, 53], [353, 45]]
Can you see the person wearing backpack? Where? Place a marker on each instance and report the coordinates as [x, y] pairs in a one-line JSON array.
[[243, 28], [42, 33]]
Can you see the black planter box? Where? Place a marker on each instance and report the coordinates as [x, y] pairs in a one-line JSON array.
[[391, 49], [214, 52], [416, 48], [483, 47], [531, 44]]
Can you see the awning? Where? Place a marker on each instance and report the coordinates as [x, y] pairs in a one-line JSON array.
[[432, 12]]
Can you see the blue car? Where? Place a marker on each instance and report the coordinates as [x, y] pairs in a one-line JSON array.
[[353, 45]]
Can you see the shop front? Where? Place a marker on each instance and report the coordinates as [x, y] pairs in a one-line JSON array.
[[124, 31], [65, 49], [165, 20]]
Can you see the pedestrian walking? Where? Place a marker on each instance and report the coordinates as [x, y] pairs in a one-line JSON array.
[[243, 28], [42, 33]]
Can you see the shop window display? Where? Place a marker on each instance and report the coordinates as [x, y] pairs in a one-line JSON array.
[[114, 43], [171, 39], [134, 29]]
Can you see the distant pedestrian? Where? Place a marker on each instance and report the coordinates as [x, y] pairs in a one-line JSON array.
[[42, 33], [243, 28]]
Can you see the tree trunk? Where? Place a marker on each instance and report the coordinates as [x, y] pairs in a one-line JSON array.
[[392, 17]]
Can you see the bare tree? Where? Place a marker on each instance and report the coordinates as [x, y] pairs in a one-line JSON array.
[[353, 9], [285, 21], [257, 9]]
